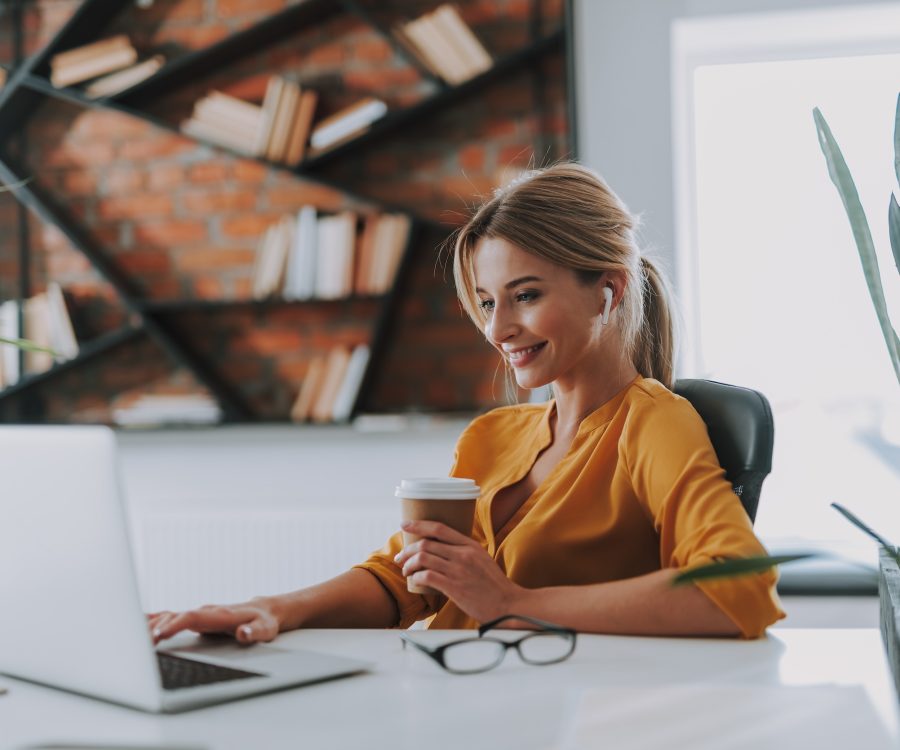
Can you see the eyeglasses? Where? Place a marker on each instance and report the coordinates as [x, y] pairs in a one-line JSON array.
[[548, 644]]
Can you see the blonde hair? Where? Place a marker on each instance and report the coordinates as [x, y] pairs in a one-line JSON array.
[[568, 215]]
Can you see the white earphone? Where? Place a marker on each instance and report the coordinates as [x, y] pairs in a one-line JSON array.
[[607, 306]]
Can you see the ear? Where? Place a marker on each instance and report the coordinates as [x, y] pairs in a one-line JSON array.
[[614, 280]]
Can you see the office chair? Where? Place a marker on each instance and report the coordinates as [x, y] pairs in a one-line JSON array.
[[741, 429]]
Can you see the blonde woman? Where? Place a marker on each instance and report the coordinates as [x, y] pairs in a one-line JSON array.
[[590, 503]]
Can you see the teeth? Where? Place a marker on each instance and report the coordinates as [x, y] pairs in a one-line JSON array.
[[523, 352]]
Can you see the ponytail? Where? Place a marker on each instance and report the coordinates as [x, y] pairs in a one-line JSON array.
[[654, 350]]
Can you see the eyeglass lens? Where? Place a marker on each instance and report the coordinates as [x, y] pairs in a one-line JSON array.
[[473, 656], [545, 648]]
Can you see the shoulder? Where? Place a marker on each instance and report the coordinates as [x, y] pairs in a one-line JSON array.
[[654, 410]]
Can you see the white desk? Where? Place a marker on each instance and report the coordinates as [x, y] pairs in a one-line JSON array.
[[408, 702]]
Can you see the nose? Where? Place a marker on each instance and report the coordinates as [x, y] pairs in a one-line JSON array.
[[501, 326]]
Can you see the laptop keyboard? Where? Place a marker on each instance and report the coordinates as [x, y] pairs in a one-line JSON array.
[[178, 672]]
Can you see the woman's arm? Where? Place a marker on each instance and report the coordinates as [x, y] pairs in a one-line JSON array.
[[646, 605], [354, 599], [460, 568]]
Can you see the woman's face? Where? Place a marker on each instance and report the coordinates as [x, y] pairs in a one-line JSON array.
[[539, 315]]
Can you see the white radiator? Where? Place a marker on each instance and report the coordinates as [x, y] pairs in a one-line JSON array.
[[186, 559]]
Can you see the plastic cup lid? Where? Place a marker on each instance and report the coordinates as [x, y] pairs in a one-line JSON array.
[[441, 488]]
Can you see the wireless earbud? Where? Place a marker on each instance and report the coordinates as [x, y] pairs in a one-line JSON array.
[[607, 306]]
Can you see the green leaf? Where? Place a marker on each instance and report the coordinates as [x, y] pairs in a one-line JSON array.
[[736, 567], [894, 229], [28, 346], [862, 526], [841, 177]]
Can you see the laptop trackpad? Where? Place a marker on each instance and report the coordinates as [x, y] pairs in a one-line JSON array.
[[232, 653]]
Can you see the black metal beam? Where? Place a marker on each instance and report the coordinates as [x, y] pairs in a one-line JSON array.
[[394, 121], [48, 211], [212, 59]]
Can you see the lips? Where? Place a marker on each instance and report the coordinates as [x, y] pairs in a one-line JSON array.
[[522, 357]]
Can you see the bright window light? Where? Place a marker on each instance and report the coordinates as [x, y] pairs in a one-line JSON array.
[[778, 299]]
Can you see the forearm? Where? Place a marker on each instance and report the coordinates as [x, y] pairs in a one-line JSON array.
[[646, 605], [354, 599]]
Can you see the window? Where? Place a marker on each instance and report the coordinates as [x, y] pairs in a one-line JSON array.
[[769, 275]]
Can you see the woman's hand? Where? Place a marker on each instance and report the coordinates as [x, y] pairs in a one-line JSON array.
[[458, 567], [248, 622]]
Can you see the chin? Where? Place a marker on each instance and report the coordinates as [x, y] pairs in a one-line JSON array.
[[530, 381]]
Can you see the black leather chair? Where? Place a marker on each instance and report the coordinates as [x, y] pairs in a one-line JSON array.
[[741, 429]]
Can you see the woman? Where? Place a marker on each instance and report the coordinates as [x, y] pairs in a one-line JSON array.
[[591, 503]]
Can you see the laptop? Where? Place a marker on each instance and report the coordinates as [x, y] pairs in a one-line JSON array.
[[72, 615]]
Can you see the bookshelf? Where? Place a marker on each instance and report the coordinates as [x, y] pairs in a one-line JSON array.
[[29, 86]]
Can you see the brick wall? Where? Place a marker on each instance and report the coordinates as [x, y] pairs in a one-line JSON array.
[[182, 219]]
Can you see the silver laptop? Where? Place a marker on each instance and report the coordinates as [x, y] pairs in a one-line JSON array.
[[72, 617]]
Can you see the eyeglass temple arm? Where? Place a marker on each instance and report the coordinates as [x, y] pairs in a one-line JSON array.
[[533, 620]]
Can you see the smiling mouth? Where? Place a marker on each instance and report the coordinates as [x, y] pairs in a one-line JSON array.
[[523, 356]]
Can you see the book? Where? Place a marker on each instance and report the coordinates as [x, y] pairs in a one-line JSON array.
[[206, 131], [9, 329], [300, 278], [121, 80], [36, 313], [272, 262], [347, 394], [336, 242], [302, 127], [345, 122], [62, 335], [86, 51], [335, 369], [261, 272], [429, 38], [217, 108], [160, 409], [402, 36], [309, 390], [462, 40], [283, 121], [93, 67], [391, 238], [269, 110]]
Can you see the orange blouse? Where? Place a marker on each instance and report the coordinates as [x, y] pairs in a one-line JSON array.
[[640, 489]]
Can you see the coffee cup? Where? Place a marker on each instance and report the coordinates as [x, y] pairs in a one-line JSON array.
[[449, 500]]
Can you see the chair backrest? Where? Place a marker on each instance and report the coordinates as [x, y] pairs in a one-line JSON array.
[[742, 431]]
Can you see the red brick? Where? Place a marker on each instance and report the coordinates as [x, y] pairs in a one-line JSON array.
[[212, 258], [372, 50], [203, 202], [208, 287], [303, 194], [193, 37], [124, 180], [173, 10], [328, 54], [88, 154], [250, 89], [208, 172], [98, 124], [171, 232], [232, 8], [144, 261], [165, 176], [471, 158], [264, 341], [379, 80], [154, 148], [250, 171], [248, 225], [137, 207]]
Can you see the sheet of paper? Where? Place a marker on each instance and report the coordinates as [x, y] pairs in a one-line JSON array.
[[726, 717]]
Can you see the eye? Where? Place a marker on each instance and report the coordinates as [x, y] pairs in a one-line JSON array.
[[527, 296], [486, 305]]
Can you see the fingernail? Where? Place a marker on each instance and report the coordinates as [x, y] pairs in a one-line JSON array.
[[246, 630], [397, 557], [157, 633], [406, 524]]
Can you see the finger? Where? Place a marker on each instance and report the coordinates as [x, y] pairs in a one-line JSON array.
[[261, 629], [433, 579], [158, 625], [426, 561], [436, 530], [425, 545], [209, 619]]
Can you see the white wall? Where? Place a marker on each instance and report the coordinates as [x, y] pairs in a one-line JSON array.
[[623, 95]]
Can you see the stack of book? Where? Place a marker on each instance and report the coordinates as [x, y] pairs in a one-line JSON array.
[[153, 410], [443, 44], [331, 385], [347, 124], [326, 257], [112, 62], [277, 130], [47, 324]]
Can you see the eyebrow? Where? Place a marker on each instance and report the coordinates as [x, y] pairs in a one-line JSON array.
[[514, 282]]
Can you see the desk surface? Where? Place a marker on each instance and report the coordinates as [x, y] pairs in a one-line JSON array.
[[407, 702]]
